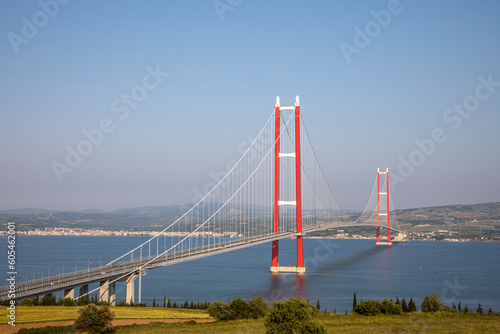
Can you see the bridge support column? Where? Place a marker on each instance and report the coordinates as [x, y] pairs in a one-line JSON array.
[[84, 290], [107, 292], [275, 268], [131, 288], [387, 209], [69, 293]]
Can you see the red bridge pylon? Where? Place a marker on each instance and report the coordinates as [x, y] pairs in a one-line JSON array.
[[275, 267]]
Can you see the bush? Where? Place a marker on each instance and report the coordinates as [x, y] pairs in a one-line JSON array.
[[94, 319], [69, 302], [27, 302], [292, 316], [369, 307], [389, 308], [220, 310], [239, 309], [258, 307], [49, 300], [432, 303]]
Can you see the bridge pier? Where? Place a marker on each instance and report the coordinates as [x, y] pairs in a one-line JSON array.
[[130, 280], [84, 290], [69, 293], [107, 292]]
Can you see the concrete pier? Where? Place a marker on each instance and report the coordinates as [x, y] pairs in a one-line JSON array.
[[107, 292], [84, 290], [296, 270], [69, 293]]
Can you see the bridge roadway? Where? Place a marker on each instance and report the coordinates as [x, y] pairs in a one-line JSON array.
[[126, 270]]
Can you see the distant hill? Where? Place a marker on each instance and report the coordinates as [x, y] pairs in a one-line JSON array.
[[470, 221], [467, 220]]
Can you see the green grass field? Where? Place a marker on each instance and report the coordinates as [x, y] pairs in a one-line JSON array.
[[30, 314], [409, 323]]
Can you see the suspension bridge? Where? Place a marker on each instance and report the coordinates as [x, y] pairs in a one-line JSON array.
[[276, 190]]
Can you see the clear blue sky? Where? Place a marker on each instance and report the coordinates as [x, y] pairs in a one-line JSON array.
[[364, 108]]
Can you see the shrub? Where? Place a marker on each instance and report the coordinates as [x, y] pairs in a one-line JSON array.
[[94, 319], [292, 316], [369, 307], [220, 310], [27, 302], [432, 303], [258, 307], [389, 308], [49, 300], [69, 302], [239, 309]]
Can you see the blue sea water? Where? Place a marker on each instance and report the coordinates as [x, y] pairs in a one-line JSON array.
[[465, 272]]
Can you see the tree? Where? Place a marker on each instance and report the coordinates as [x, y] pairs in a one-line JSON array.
[[490, 311], [412, 307], [479, 309], [164, 301], [220, 310], [466, 309], [69, 302], [354, 302], [186, 304], [318, 306], [154, 302], [169, 304], [389, 308], [369, 307], [94, 319], [459, 307], [292, 316], [239, 309], [191, 306], [432, 303], [258, 307], [49, 300], [175, 305], [404, 306]]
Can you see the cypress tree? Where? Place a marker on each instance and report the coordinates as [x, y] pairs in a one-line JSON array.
[[459, 307], [404, 306], [490, 311], [164, 301], [154, 302], [318, 306], [354, 302], [169, 305], [479, 309], [186, 304], [175, 305], [191, 306], [453, 307], [397, 301], [206, 305], [466, 309]]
